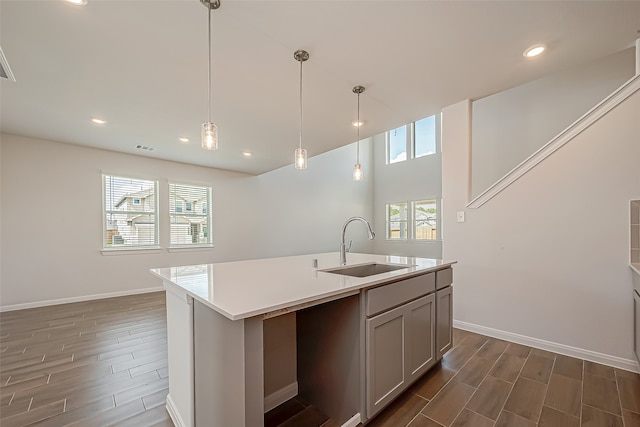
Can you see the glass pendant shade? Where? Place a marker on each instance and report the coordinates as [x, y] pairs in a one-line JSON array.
[[300, 158], [209, 136], [357, 173]]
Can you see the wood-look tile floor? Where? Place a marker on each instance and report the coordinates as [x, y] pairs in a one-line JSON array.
[[104, 363], [95, 363], [486, 382]]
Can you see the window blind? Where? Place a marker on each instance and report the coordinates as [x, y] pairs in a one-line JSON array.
[[190, 215], [130, 207]]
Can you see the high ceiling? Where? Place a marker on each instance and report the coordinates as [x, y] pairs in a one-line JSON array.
[[142, 66]]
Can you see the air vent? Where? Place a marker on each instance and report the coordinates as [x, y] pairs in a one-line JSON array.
[[5, 70], [144, 147]]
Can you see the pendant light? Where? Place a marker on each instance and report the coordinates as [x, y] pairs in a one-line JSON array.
[[357, 170], [300, 156], [209, 129]]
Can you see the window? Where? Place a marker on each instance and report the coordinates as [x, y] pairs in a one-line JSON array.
[[417, 220], [189, 228], [130, 220], [425, 220], [425, 137], [397, 145], [397, 221], [418, 139]]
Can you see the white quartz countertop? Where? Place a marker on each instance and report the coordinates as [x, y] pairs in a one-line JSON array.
[[269, 286]]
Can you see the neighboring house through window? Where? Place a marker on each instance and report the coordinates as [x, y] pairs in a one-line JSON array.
[[130, 220], [191, 227]]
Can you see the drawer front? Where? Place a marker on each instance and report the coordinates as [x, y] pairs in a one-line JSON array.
[[444, 278], [394, 294]]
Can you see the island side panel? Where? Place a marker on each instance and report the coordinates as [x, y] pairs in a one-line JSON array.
[[280, 366], [328, 337], [180, 354], [228, 370]]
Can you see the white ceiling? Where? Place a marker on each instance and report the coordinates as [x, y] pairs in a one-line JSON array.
[[142, 65]]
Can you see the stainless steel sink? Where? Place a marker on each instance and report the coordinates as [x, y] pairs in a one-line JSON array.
[[365, 270]]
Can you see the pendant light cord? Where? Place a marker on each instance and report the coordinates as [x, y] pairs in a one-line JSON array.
[[300, 145], [358, 132], [209, 64]]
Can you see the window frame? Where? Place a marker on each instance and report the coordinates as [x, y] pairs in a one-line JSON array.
[[410, 140], [155, 245], [438, 136], [414, 222], [411, 221], [195, 211], [388, 222]]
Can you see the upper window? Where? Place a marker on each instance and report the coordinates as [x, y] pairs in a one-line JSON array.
[[424, 141], [397, 146], [414, 140], [130, 220], [191, 227]]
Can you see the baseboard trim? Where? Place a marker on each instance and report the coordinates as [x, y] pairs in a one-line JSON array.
[[78, 299], [592, 356], [173, 414], [278, 397], [353, 421]]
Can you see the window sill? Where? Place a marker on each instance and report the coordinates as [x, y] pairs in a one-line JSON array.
[[190, 248], [412, 241], [130, 251]]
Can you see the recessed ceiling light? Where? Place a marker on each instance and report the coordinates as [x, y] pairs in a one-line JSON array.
[[534, 51], [183, 140], [78, 2], [98, 121], [357, 123], [247, 153]]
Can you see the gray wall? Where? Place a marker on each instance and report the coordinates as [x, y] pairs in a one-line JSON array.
[[413, 179], [52, 216], [510, 126], [546, 260]]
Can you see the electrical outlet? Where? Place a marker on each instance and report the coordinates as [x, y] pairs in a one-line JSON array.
[[460, 216]]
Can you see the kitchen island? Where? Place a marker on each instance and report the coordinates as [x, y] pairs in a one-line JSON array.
[[360, 340]]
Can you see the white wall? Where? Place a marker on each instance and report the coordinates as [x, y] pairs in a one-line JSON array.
[[51, 199], [414, 179], [510, 126], [546, 261]]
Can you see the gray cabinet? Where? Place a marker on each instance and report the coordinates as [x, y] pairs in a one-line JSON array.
[[444, 311], [400, 342], [444, 321]]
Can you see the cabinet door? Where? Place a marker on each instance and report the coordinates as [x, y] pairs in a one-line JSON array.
[[444, 321], [385, 336], [420, 336]]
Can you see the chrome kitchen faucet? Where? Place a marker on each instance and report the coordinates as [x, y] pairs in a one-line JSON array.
[[343, 247]]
